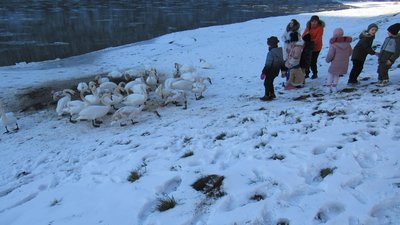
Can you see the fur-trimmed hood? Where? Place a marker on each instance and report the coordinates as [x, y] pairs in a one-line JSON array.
[[320, 22], [365, 34]]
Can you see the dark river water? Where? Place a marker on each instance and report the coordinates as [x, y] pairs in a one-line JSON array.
[[36, 30]]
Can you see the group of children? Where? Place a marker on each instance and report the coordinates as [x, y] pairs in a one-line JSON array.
[[300, 54]]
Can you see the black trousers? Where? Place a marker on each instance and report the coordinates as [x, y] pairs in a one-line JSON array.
[[269, 86], [314, 59], [356, 70]]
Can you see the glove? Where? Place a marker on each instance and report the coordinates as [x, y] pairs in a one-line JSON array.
[[262, 76]]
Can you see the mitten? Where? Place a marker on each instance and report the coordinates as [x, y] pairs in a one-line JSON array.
[[262, 76]]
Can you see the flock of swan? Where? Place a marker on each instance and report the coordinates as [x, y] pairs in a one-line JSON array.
[[126, 99]]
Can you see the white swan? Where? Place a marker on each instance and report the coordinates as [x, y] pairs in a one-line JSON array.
[[8, 119], [92, 99], [99, 79], [126, 113], [152, 79], [205, 65], [198, 89], [136, 99], [115, 74], [73, 108], [136, 85], [180, 69], [106, 87], [94, 112], [115, 97], [82, 86], [177, 83], [62, 102], [172, 95]]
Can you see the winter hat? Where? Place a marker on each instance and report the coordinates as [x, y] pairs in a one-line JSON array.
[[338, 32], [372, 25], [272, 41], [315, 17], [394, 29], [294, 36]]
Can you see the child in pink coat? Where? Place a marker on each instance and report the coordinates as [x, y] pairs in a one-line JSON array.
[[338, 55]]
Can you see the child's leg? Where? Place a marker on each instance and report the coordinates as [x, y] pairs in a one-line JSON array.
[[330, 79], [266, 86], [355, 71], [314, 67], [271, 88], [335, 80], [383, 71]]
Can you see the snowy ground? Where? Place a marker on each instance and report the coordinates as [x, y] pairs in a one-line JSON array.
[[271, 155]]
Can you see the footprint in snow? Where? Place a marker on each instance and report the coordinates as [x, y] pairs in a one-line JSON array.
[[366, 159], [328, 212], [21, 202], [388, 211], [147, 208], [170, 185]]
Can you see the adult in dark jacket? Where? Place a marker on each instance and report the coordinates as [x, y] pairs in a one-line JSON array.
[[273, 65], [360, 52]]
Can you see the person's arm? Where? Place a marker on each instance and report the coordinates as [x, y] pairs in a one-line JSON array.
[[367, 45], [331, 54]]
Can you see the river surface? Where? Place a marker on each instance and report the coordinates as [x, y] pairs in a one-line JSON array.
[[36, 30]]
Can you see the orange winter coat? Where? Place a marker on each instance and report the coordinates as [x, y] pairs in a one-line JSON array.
[[316, 34]]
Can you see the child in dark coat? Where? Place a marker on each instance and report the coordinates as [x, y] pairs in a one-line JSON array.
[[390, 51], [360, 52], [305, 60], [273, 65]]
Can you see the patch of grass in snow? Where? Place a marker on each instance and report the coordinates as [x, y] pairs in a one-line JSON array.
[[210, 185], [247, 119], [348, 90], [373, 132], [302, 98], [231, 116], [187, 141], [329, 113], [260, 145], [145, 134], [166, 203], [22, 174], [55, 202], [277, 157], [220, 136], [134, 175], [326, 171], [284, 113], [283, 222], [274, 134], [187, 154], [257, 197]]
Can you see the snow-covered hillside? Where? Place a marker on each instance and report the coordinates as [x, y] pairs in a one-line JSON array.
[[306, 158]]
